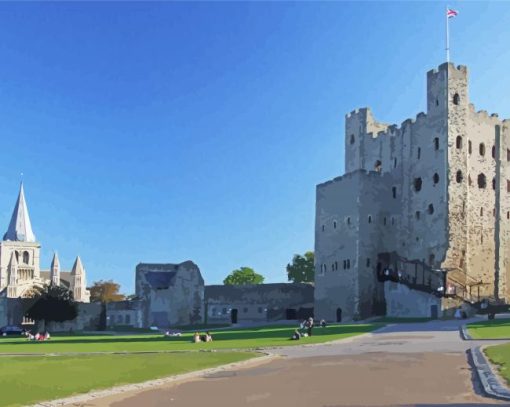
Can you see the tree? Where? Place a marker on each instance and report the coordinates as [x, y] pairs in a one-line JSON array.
[[242, 276], [302, 268], [105, 291], [52, 303]]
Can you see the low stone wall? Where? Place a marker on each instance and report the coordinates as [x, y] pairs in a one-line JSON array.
[[402, 302]]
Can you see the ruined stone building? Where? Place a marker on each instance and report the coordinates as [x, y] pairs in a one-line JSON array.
[[20, 260], [428, 199]]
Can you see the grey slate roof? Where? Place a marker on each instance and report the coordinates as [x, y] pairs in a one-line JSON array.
[[20, 228]]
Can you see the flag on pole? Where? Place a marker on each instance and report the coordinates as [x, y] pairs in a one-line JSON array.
[[450, 13]]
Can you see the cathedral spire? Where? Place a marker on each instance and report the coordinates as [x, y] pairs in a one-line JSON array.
[[55, 270], [77, 267], [20, 228]]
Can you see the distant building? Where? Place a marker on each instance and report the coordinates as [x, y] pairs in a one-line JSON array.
[[20, 256]]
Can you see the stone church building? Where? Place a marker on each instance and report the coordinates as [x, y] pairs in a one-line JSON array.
[[20, 267], [425, 204]]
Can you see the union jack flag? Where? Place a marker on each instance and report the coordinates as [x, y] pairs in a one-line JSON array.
[[451, 13]]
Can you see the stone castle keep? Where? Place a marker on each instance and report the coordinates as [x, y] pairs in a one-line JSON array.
[[428, 198]]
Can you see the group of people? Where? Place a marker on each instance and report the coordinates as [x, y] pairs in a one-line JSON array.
[[44, 336], [305, 328], [207, 337]]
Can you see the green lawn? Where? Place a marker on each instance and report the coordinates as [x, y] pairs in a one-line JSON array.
[[500, 356], [25, 380], [497, 328], [228, 339]]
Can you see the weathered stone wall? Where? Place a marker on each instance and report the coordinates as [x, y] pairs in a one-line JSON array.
[[402, 302], [172, 294], [258, 302], [127, 313]]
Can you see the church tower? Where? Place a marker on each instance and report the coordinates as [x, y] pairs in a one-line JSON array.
[[19, 251], [78, 282]]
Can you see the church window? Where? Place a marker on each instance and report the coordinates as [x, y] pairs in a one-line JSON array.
[[419, 153], [458, 142], [417, 184], [430, 209], [459, 177], [352, 139], [436, 178], [436, 143], [493, 151], [417, 214], [482, 181], [470, 147], [26, 257], [378, 166], [456, 99], [394, 192], [481, 149]]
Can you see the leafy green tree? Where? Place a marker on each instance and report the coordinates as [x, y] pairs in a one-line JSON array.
[[242, 276], [52, 303], [302, 268], [105, 291]]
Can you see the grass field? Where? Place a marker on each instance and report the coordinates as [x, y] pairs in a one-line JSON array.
[[495, 329], [500, 356], [228, 339], [25, 380]]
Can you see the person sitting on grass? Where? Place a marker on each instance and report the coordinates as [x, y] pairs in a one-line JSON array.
[[323, 323], [208, 337], [196, 337], [296, 335]]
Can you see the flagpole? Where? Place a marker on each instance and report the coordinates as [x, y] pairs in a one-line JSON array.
[[447, 37]]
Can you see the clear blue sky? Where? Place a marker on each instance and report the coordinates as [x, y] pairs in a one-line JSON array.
[[162, 132]]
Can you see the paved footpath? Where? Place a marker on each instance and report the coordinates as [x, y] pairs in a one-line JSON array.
[[423, 364]]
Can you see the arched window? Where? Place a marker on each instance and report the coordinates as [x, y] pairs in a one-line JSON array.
[[26, 257], [482, 149], [417, 184], [470, 147], [459, 177], [430, 209], [378, 166], [436, 143], [456, 99], [458, 142], [435, 178], [482, 181]]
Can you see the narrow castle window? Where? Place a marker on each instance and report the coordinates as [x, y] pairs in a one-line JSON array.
[[334, 224], [436, 178], [459, 177], [384, 221], [345, 264], [482, 181], [369, 219], [348, 220], [352, 139], [436, 143], [394, 192], [323, 228], [437, 102], [430, 209], [470, 147], [494, 183], [493, 151], [394, 163], [368, 262], [378, 166], [419, 153], [469, 180], [417, 184], [508, 215], [482, 149], [348, 263], [508, 155], [481, 238], [456, 99], [458, 142], [481, 211], [507, 186], [336, 265], [417, 214]]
